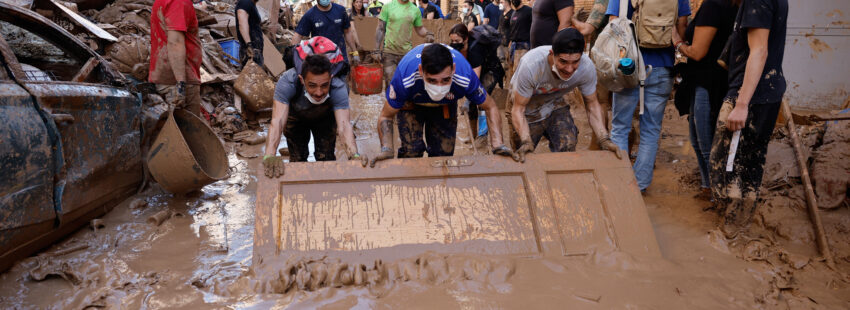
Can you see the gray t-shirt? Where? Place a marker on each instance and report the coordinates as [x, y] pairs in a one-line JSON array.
[[534, 79], [286, 86]]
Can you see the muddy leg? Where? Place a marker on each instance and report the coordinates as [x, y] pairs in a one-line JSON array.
[[441, 131], [297, 139], [324, 138], [561, 131], [410, 128]]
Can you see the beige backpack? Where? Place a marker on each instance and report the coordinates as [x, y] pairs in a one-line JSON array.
[[654, 21], [618, 41]]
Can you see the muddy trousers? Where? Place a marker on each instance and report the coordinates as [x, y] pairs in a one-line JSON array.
[[390, 63], [736, 191], [437, 125], [297, 133], [558, 128]]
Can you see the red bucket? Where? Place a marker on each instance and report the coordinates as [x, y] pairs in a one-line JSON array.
[[368, 79]]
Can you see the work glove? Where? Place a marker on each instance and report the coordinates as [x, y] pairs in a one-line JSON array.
[[249, 51], [524, 148], [503, 151], [606, 144], [386, 153], [258, 55], [429, 37], [179, 96], [362, 158], [273, 166]]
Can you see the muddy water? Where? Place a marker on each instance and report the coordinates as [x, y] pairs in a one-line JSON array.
[[201, 258]]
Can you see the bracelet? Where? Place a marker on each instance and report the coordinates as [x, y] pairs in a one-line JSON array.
[[266, 156], [356, 155], [354, 53], [679, 45], [386, 149]]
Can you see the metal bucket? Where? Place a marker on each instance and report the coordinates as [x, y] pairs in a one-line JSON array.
[[186, 154]]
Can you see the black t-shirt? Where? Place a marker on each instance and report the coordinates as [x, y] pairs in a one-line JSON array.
[[719, 14], [505, 27], [545, 21], [521, 25], [254, 29], [767, 14]]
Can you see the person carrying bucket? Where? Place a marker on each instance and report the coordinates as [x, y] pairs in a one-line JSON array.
[[311, 99], [424, 92]]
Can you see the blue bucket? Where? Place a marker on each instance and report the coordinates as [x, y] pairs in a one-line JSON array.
[[231, 47]]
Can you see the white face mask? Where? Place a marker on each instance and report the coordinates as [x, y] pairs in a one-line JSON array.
[[558, 73], [501, 7], [365, 5], [437, 92], [464, 10], [314, 101]]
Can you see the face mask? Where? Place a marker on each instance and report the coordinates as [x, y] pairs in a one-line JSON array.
[[314, 101], [437, 92], [365, 5], [324, 2], [464, 10], [558, 73], [457, 46], [501, 7]]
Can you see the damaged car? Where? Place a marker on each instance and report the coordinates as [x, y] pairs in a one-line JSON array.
[[70, 134]]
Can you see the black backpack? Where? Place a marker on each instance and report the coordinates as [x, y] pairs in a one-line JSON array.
[[487, 35]]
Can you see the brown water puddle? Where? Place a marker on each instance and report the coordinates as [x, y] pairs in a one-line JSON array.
[[203, 259]]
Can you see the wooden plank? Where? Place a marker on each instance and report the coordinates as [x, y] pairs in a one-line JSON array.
[[85, 23], [272, 58], [85, 70], [554, 204]]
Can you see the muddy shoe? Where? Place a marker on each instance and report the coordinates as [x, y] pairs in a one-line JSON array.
[[704, 194]]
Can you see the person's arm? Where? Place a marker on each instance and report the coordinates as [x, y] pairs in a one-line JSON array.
[[176, 48], [243, 26], [757, 41], [518, 116], [385, 133], [477, 71], [703, 35], [594, 115], [565, 17], [586, 29], [296, 38], [494, 122], [351, 38], [280, 112], [681, 25], [346, 132], [379, 34]]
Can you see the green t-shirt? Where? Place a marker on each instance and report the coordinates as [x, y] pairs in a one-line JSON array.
[[400, 19]]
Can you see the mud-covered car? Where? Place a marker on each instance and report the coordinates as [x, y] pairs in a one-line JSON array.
[[69, 134]]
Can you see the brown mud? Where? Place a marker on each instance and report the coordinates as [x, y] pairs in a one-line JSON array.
[[203, 259]]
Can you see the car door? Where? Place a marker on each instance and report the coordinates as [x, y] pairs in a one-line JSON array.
[[99, 130], [27, 166]]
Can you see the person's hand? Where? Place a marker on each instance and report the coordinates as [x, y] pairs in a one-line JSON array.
[[250, 51], [503, 150], [364, 160], [386, 153], [179, 96], [606, 144], [524, 148], [737, 118], [257, 54], [429, 37], [273, 166]]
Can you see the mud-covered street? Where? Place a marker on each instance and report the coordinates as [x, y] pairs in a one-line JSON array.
[[201, 256]]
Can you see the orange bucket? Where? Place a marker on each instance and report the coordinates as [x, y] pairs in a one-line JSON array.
[[368, 79]]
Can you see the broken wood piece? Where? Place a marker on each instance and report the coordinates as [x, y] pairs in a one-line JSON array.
[[85, 23], [86, 70], [811, 201]]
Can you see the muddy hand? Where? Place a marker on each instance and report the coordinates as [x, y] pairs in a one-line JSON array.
[[525, 148], [273, 166], [250, 52], [503, 151], [364, 160], [607, 144], [429, 37], [386, 153]]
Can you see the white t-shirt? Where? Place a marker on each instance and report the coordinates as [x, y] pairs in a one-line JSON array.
[[534, 79]]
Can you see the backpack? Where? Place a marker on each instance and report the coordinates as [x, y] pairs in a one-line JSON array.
[[617, 40], [319, 45], [654, 21], [487, 35]]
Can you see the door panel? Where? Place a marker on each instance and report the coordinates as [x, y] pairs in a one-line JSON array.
[[100, 146], [553, 204], [26, 170]]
